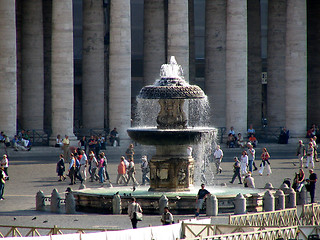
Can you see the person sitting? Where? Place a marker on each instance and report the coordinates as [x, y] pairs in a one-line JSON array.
[[17, 145], [249, 181], [231, 141], [311, 132], [253, 140], [251, 130], [284, 136], [59, 141], [240, 142], [298, 181]]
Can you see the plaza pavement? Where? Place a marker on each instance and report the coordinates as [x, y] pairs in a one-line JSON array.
[[35, 170]]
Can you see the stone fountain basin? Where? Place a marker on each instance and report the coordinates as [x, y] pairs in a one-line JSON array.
[[154, 136]]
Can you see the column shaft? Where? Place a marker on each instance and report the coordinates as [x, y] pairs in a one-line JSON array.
[[296, 68], [254, 63], [32, 65], [215, 55], [154, 40], [93, 65], [120, 67], [178, 33], [62, 83], [276, 63], [236, 65], [8, 68]]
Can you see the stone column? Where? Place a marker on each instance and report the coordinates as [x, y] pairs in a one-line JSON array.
[[8, 68], [178, 33], [32, 66], [62, 69], [215, 56], [236, 65], [254, 63], [296, 68], [276, 63], [93, 65], [154, 40], [120, 67]]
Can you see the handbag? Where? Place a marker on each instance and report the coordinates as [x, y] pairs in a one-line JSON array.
[[137, 215]]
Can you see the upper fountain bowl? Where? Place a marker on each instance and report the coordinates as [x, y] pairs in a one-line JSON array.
[[171, 85]]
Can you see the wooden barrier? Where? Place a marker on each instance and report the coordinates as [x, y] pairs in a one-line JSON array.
[[286, 217]]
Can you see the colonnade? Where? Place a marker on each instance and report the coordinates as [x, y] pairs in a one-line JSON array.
[[231, 56]]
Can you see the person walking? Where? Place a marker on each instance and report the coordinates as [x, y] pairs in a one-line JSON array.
[[243, 163], [315, 147], [202, 194], [106, 174], [310, 154], [145, 170], [72, 169], [131, 172], [94, 166], [134, 208], [83, 165], [3, 177], [218, 155], [101, 168], [61, 168], [167, 217], [312, 184], [5, 165], [236, 170], [265, 162], [301, 152], [121, 178], [251, 157]]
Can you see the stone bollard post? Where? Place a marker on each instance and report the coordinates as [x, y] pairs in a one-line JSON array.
[[163, 202], [302, 196], [268, 201], [279, 200], [55, 202], [70, 203], [284, 187], [268, 186], [240, 204], [116, 204], [291, 198], [40, 203], [212, 205]]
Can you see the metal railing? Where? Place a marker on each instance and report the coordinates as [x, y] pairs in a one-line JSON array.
[[287, 217], [310, 214], [28, 231]]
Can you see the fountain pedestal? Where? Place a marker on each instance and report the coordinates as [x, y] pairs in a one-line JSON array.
[[171, 169]]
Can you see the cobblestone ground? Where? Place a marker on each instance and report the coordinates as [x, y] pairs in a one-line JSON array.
[[35, 170]]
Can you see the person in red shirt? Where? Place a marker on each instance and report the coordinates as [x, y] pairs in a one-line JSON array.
[[121, 178]]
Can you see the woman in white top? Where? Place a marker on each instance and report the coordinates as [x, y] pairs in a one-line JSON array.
[[243, 163]]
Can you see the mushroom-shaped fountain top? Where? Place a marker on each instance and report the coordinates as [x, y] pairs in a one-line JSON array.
[[171, 85]]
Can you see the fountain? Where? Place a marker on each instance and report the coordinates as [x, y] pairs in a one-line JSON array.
[[172, 168]]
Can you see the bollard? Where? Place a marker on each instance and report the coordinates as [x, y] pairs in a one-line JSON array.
[[279, 200], [163, 202], [70, 203], [55, 202], [82, 186], [240, 204], [40, 204], [291, 198], [284, 187], [302, 196], [268, 201], [212, 205], [116, 204], [268, 186]]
